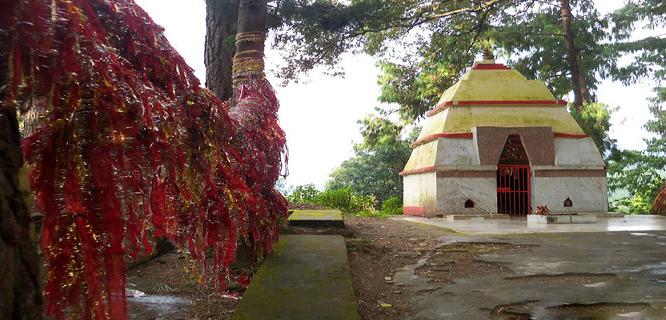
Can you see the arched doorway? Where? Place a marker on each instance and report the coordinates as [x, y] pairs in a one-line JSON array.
[[513, 179]]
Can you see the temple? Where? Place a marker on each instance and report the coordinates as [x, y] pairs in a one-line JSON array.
[[497, 143]]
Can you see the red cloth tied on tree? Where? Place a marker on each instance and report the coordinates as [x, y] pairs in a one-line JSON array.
[[129, 147]]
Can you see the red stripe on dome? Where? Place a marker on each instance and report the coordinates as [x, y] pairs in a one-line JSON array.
[[490, 66], [433, 137], [417, 171], [485, 103], [570, 135]]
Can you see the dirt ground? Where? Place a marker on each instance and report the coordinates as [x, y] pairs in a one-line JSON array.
[[378, 248]]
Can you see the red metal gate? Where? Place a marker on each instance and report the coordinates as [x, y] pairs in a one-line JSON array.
[[513, 189], [513, 178]]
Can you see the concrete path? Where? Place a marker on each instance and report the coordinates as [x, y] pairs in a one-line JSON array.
[[316, 218], [518, 226], [307, 277]]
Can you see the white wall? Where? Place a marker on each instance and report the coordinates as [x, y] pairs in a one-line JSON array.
[[453, 192], [457, 152], [582, 152], [589, 194], [420, 190]]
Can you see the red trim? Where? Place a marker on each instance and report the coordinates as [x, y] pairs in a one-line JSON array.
[[414, 211], [469, 135], [433, 137], [570, 135], [417, 171], [490, 66], [484, 103]]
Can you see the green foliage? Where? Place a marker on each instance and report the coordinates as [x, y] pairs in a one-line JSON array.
[[392, 206], [594, 118], [303, 194], [318, 32], [344, 199], [648, 53], [642, 173], [347, 201], [374, 170]]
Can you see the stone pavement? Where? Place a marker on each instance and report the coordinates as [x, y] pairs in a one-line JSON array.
[[584, 275], [316, 218], [519, 226], [306, 277]]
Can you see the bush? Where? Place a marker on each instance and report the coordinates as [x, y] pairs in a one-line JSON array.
[[303, 194], [343, 199], [347, 201], [392, 206]]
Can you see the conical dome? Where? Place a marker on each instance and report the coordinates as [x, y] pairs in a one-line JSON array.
[[491, 95]]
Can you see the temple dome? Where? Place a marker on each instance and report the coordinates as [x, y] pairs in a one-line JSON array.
[[490, 95]]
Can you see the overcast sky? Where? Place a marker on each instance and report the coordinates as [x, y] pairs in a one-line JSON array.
[[319, 115]]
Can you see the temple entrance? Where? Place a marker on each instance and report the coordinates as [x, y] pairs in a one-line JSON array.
[[513, 179]]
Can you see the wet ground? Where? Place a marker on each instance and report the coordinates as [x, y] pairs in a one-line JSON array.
[[166, 289], [581, 275], [460, 270]]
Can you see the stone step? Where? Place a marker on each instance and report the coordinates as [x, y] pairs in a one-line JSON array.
[[560, 219], [306, 277], [316, 218]]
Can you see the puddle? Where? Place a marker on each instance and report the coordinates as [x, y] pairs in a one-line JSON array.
[[640, 234], [155, 306], [163, 302], [408, 276], [602, 310], [539, 266], [596, 285], [593, 280], [594, 311]]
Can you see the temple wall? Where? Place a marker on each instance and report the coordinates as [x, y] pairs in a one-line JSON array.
[[577, 152], [452, 192], [420, 194], [588, 194], [456, 152]]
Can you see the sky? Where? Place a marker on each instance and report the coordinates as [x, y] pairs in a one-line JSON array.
[[319, 113]]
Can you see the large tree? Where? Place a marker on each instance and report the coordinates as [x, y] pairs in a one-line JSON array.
[[643, 173], [221, 28]]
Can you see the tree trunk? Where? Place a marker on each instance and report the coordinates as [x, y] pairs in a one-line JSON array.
[[221, 21], [659, 204], [581, 92], [249, 58], [20, 293]]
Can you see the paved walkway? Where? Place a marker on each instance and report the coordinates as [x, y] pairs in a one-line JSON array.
[[307, 277], [518, 226]]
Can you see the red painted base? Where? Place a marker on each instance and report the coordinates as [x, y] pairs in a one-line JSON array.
[[414, 211]]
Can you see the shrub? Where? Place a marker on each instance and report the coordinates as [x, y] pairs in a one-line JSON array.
[[303, 194], [343, 199], [392, 206], [347, 201]]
